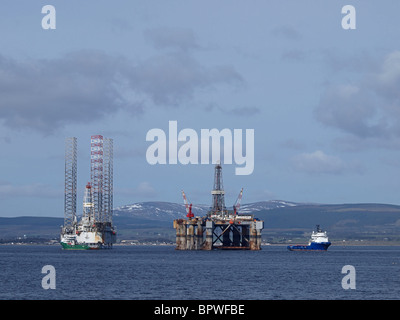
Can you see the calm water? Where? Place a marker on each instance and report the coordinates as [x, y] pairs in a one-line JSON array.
[[152, 272]]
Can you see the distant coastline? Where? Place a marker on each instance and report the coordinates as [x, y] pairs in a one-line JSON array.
[[172, 244], [285, 223]]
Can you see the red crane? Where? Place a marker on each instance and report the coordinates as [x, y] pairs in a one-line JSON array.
[[188, 206], [236, 206]]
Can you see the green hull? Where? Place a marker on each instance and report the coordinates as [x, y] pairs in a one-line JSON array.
[[67, 246]]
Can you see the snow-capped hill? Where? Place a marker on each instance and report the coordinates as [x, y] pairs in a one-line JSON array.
[[265, 205], [170, 211], [158, 210]]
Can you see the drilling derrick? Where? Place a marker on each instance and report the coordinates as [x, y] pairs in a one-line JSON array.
[[108, 191], [218, 193], [70, 183], [96, 175], [101, 174], [88, 205]]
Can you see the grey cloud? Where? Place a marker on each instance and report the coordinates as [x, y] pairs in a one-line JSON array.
[[167, 37], [118, 25], [294, 55], [234, 111], [287, 32], [292, 144], [86, 86], [368, 109], [244, 111], [350, 109], [173, 77], [352, 143], [360, 62], [387, 84], [319, 162], [46, 94]]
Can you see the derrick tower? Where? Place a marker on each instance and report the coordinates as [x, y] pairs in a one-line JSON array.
[[88, 204], [101, 176], [108, 183], [218, 193], [71, 169]]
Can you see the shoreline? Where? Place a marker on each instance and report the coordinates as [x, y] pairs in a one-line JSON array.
[[265, 245]]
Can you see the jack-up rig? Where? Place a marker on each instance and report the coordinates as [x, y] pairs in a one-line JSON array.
[[220, 228], [94, 230]]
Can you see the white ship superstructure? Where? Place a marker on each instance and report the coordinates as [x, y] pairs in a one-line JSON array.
[[87, 234], [319, 236]]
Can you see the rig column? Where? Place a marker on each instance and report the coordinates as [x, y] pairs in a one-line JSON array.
[[190, 235], [253, 236], [180, 227], [245, 236], [226, 239], [259, 227], [198, 240], [209, 235], [235, 236]]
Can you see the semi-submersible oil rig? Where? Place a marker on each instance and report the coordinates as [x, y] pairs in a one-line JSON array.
[[220, 228]]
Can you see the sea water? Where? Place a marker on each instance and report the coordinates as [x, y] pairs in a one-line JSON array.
[[161, 272]]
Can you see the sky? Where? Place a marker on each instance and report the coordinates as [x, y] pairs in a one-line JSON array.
[[323, 100]]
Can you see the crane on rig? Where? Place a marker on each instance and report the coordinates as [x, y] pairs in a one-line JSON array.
[[188, 206], [236, 206]]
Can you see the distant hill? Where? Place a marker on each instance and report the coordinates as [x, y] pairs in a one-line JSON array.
[[170, 211], [43, 227], [368, 221], [284, 220], [162, 211]]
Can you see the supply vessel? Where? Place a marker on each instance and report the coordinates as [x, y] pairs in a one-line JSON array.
[[319, 242]]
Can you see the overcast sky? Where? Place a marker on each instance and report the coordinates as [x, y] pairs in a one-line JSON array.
[[324, 102]]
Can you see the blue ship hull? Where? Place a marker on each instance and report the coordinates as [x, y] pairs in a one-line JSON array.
[[323, 246]]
